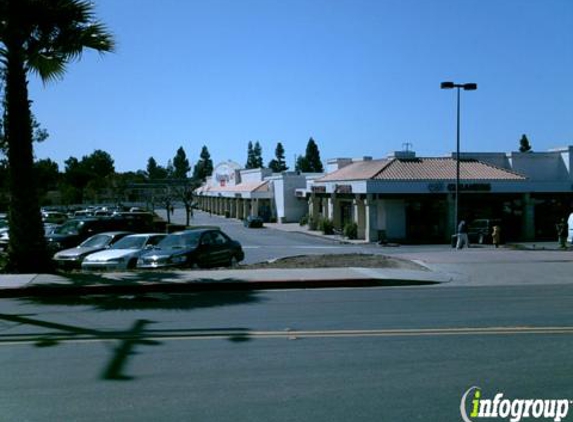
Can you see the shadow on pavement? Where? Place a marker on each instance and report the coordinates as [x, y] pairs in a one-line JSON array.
[[127, 342]]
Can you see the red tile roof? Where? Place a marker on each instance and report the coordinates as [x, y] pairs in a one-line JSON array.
[[421, 169], [359, 170], [262, 186]]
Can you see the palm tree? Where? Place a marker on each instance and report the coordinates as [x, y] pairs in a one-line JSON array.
[[39, 36]]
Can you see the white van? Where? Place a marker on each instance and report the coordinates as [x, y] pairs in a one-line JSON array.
[[570, 224]]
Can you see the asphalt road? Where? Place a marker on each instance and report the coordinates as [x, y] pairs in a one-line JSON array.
[[268, 244], [399, 354]]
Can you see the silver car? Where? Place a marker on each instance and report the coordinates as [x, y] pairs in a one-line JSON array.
[[72, 258], [122, 255]]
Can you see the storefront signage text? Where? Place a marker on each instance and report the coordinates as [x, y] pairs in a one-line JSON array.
[[475, 187]]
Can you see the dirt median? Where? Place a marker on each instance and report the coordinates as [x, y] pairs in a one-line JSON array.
[[338, 261]]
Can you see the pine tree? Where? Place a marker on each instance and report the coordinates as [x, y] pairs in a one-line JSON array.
[[154, 171], [180, 164], [312, 156], [278, 163], [524, 145], [250, 157], [302, 165], [204, 166], [257, 156]]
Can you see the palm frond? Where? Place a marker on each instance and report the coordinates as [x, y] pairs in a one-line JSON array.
[[54, 32], [48, 68]]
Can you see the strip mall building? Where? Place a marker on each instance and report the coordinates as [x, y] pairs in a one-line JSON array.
[[406, 198]]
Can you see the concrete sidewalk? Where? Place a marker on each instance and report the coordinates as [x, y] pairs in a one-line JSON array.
[[210, 280]]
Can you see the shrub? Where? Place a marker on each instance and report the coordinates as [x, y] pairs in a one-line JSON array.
[[312, 224], [351, 230], [326, 226], [303, 220]]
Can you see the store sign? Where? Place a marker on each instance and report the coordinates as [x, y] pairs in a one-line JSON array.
[[471, 187], [343, 188], [224, 174], [436, 187], [318, 189]]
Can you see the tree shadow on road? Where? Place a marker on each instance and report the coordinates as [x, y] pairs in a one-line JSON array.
[[127, 343]]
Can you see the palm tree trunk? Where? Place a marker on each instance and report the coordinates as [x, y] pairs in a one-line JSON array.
[[27, 249]]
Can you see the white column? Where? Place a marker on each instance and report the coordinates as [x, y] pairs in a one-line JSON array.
[[371, 223]]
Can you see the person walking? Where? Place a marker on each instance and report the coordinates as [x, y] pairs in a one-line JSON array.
[[496, 236], [463, 239], [562, 231]]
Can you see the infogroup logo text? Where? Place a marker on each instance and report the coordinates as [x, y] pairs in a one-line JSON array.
[[513, 409]]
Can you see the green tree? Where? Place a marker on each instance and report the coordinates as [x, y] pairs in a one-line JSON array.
[[40, 36], [250, 156], [47, 174], [302, 164], [155, 171], [278, 164], [170, 169], [257, 156], [92, 174], [524, 145], [98, 164], [180, 164], [313, 156], [204, 166]]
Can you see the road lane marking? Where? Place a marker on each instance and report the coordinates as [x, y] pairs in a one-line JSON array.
[[179, 335]]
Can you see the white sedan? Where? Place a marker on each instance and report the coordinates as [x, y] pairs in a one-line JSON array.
[[123, 254]]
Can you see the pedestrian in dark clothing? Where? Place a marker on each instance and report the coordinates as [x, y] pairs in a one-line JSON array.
[[562, 232]]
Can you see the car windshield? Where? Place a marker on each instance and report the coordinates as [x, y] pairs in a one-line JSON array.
[[69, 227], [97, 241], [180, 240], [130, 242]]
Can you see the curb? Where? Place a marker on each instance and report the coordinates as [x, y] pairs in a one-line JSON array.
[[47, 290]]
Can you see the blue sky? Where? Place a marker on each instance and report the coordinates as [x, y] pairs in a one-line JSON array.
[[362, 77]]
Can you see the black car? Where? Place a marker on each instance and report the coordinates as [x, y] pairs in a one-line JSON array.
[[253, 222], [76, 230], [190, 248]]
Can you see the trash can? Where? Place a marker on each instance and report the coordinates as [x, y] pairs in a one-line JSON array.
[[454, 240]]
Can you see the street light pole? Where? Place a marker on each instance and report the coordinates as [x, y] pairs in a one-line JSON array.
[[459, 87]]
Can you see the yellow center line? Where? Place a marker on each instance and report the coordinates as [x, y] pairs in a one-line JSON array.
[[38, 338]]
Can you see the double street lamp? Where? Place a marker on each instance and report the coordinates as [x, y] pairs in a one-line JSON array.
[[459, 87]]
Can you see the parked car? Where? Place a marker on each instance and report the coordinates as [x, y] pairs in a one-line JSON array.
[[480, 230], [54, 217], [123, 254], [76, 230], [4, 238], [72, 258], [253, 222], [190, 248]]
